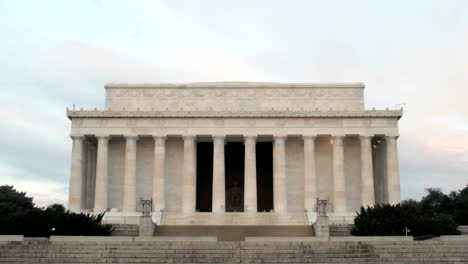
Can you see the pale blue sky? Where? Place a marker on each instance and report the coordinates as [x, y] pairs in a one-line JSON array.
[[57, 53]]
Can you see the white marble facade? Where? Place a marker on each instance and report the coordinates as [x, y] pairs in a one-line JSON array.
[[143, 145]]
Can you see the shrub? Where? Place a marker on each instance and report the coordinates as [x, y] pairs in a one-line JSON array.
[[391, 220], [72, 224], [18, 215]]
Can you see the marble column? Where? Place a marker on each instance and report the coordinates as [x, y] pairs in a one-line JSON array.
[[129, 187], [250, 175], [393, 174], [91, 175], [75, 193], [339, 192], [100, 197], [219, 186], [367, 177], [84, 169], [310, 177], [189, 175], [280, 203], [159, 169]]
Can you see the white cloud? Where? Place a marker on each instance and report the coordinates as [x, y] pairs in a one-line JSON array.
[[44, 191], [415, 55]]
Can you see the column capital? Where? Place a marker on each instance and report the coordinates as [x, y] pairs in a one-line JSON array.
[[309, 136], [77, 136], [102, 137], [188, 137], [131, 136], [338, 136], [218, 137], [280, 136], [249, 137], [159, 137], [366, 136]]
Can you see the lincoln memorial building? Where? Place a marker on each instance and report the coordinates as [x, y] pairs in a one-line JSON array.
[[233, 153]]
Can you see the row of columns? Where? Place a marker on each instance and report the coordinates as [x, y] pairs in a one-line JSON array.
[[250, 185]]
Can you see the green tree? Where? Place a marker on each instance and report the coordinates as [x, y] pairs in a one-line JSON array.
[[13, 201], [436, 203], [14, 206], [461, 206]]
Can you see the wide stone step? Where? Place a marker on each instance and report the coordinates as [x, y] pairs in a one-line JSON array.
[[234, 218], [83, 251], [234, 232]]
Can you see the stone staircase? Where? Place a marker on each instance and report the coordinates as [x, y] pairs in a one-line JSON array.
[[234, 218], [156, 250], [234, 233]]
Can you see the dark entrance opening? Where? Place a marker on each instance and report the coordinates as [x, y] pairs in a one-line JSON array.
[[204, 176], [234, 171], [264, 157]]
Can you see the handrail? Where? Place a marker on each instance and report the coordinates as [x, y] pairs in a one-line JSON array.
[[162, 215], [306, 216]]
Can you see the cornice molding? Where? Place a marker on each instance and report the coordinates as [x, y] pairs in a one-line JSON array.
[[236, 85], [192, 114]]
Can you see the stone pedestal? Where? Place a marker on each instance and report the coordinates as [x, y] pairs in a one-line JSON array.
[[146, 226], [322, 226]]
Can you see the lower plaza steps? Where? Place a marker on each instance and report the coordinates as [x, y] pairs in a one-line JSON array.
[[207, 250]]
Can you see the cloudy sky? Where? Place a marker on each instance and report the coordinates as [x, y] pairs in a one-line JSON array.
[[54, 54]]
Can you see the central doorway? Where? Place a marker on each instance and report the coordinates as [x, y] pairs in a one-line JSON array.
[[234, 156]]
